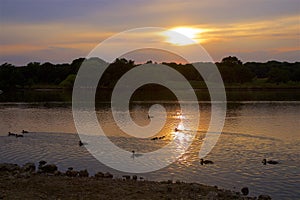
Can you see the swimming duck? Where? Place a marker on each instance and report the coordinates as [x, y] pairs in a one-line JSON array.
[[11, 134], [272, 162], [206, 162], [80, 143], [150, 116], [23, 131], [19, 135]]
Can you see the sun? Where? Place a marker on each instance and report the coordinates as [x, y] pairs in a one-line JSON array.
[[186, 36]]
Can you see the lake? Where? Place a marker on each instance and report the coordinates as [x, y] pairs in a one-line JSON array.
[[253, 130]]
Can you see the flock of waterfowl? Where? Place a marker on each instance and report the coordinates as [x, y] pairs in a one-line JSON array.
[[264, 161], [17, 134], [158, 138], [271, 162], [202, 161]]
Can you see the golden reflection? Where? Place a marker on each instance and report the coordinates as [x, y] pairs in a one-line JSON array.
[[182, 137], [180, 126]]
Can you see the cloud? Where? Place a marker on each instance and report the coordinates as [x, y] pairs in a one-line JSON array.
[[136, 13], [49, 54], [238, 26], [42, 11]]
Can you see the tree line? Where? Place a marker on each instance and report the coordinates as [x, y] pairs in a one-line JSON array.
[[232, 70]]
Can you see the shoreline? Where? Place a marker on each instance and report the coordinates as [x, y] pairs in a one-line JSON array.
[[47, 183], [41, 88], [104, 95]]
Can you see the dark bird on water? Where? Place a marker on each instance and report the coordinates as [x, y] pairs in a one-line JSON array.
[[272, 162], [135, 154], [80, 143], [11, 134], [158, 138], [23, 131], [19, 135], [150, 116], [202, 162]]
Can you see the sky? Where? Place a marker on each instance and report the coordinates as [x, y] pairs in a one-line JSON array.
[[60, 31]]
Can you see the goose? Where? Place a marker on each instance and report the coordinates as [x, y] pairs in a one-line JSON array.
[[206, 161], [272, 162]]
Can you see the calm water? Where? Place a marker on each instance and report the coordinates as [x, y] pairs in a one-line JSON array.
[[253, 131]]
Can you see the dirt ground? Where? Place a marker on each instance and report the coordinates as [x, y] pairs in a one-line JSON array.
[[41, 186]]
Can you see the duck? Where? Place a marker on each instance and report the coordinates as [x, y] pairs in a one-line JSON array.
[[149, 117], [11, 134], [155, 138], [272, 162], [202, 162], [135, 154], [80, 143], [19, 135], [23, 131], [158, 138]]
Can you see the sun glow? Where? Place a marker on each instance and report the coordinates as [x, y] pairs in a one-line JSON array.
[[188, 35]]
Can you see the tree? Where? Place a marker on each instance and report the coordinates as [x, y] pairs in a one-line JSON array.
[[9, 77], [233, 70], [277, 75], [76, 65], [68, 82], [231, 61]]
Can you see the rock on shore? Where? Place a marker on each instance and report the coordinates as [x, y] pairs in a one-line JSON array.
[[25, 183]]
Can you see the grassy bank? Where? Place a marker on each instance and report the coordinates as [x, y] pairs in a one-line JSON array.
[[255, 84]]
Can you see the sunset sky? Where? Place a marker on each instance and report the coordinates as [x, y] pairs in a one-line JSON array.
[[61, 31]]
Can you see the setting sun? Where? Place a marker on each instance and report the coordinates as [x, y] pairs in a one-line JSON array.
[[188, 35]]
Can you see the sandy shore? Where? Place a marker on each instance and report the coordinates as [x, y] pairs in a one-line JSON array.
[[25, 183]]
